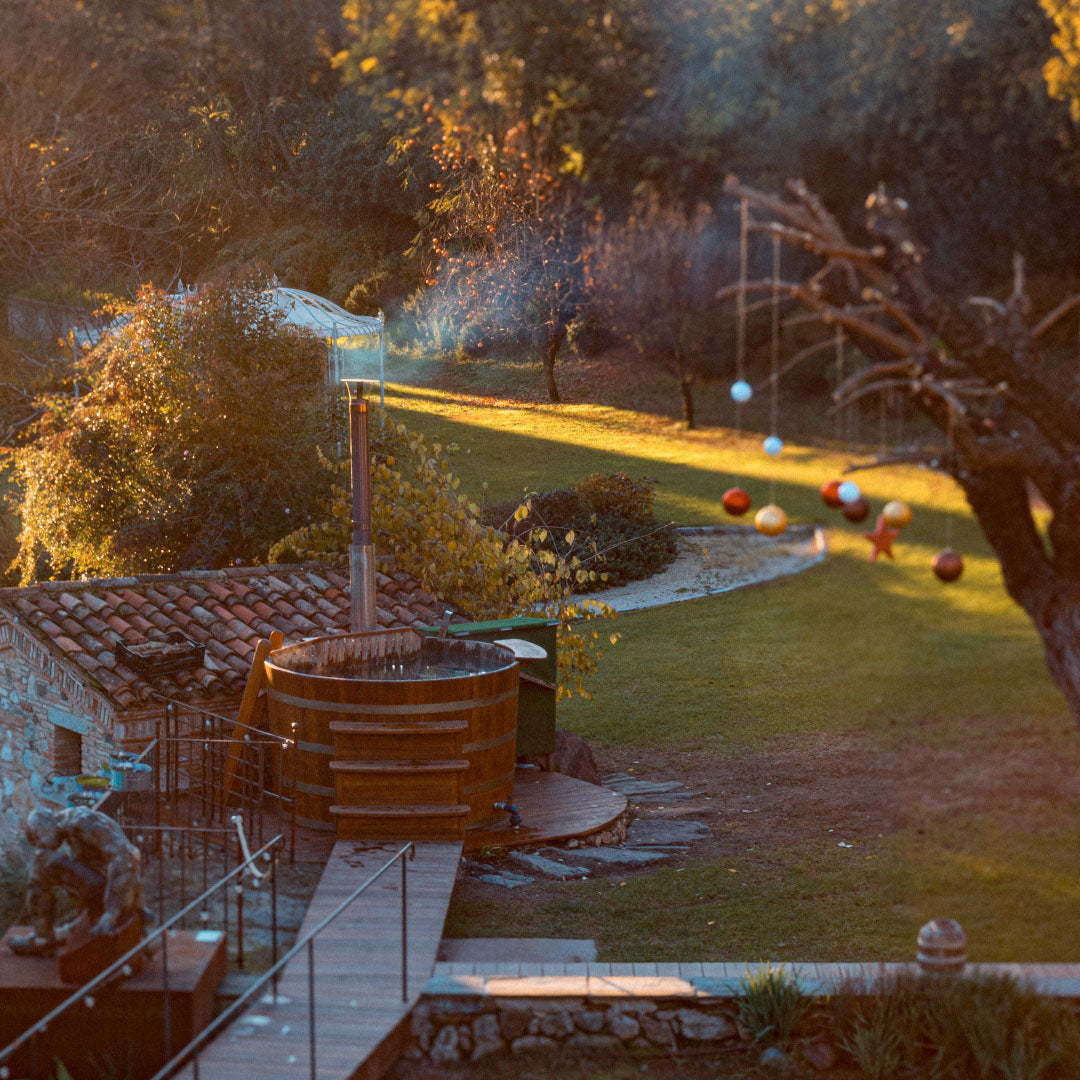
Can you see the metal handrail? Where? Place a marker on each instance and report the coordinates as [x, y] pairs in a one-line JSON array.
[[84, 991], [280, 739], [194, 1047]]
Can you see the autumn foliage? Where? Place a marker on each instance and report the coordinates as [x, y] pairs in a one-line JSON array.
[[193, 441], [425, 525]]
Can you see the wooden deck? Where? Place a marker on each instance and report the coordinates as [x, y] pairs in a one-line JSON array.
[[553, 807], [359, 1008]]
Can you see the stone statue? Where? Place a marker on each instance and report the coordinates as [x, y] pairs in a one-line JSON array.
[[99, 869]]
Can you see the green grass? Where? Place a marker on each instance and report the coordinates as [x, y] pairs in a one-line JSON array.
[[880, 655], [1015, 895], [847, 646]]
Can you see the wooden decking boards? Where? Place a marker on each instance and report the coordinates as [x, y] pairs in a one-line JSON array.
[[552, 807], [359, 1005]]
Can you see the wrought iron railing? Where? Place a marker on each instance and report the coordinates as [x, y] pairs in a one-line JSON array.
[[206, 769]]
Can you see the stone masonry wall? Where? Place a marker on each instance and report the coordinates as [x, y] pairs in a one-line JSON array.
[[32, 707], [447, 1030]]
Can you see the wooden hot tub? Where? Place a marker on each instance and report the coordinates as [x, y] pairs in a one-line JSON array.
[[399, 736]]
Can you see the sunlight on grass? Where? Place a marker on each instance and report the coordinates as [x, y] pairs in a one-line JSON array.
[[882, 654], [852, 646]]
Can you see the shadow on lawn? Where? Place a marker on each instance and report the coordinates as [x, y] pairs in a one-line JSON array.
[[688, 493]]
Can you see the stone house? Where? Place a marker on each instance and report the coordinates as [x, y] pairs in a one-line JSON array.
[[68, 700]]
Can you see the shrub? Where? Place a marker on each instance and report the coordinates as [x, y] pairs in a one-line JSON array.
[[192, 444], [606, 520], [983, 1026], [617, 494]]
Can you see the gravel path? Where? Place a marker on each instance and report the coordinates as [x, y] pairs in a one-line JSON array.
[[718, 560]]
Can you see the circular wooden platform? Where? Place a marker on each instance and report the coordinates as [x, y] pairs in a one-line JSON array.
[[552, 807]]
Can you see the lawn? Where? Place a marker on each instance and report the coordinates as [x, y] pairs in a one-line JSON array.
[[856, 703]]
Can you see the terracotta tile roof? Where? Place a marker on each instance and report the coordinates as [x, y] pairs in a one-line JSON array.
[[225, 611]]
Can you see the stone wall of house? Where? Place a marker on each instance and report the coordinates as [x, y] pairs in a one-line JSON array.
[[45, 721]]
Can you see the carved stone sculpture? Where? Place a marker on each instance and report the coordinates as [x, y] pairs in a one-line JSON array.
[[85, 853]]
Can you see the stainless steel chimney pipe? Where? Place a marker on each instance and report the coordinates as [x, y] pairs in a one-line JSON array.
[[362, 548]]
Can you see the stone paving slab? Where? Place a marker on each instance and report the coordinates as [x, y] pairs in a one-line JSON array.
[[663, 831], [551, 868], [617, 857], [515, 951]]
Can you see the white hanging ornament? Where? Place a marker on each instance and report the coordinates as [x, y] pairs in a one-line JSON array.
[[848, 492], [741, 391], [772, 446]]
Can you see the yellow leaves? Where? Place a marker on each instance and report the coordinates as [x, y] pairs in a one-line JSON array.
[[429, 530], [368, 64], [574, 164]]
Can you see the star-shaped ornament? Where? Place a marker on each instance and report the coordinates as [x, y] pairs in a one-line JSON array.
[[881, 538]]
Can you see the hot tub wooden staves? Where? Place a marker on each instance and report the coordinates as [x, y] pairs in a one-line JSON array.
[[396, 758]]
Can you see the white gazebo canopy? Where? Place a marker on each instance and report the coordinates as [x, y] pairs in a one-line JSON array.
[[332, 322]]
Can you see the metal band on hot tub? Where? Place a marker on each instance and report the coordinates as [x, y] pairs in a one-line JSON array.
[[359, 709]]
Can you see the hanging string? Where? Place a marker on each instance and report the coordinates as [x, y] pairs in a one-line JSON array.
[[774, 355], [947, 464], [740, 313], [840, 419]]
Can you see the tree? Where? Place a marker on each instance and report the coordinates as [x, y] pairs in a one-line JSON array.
[[507, 236], [980, 369], [194, 445], [654, 279]]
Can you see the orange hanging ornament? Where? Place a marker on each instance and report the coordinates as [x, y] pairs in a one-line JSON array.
[[770, 520], [897, 514]]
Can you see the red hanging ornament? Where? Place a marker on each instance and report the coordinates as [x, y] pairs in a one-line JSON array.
[[948, 565], [736, 501], [830, 496], [858, 511]]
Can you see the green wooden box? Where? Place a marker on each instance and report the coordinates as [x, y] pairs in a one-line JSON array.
[[536, 704]]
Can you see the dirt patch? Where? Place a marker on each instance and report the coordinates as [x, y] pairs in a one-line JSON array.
[[785, 795]]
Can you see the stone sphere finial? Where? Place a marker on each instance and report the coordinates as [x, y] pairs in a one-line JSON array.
[[942, 947]]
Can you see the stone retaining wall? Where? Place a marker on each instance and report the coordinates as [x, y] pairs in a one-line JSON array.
[[457, 1029]]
